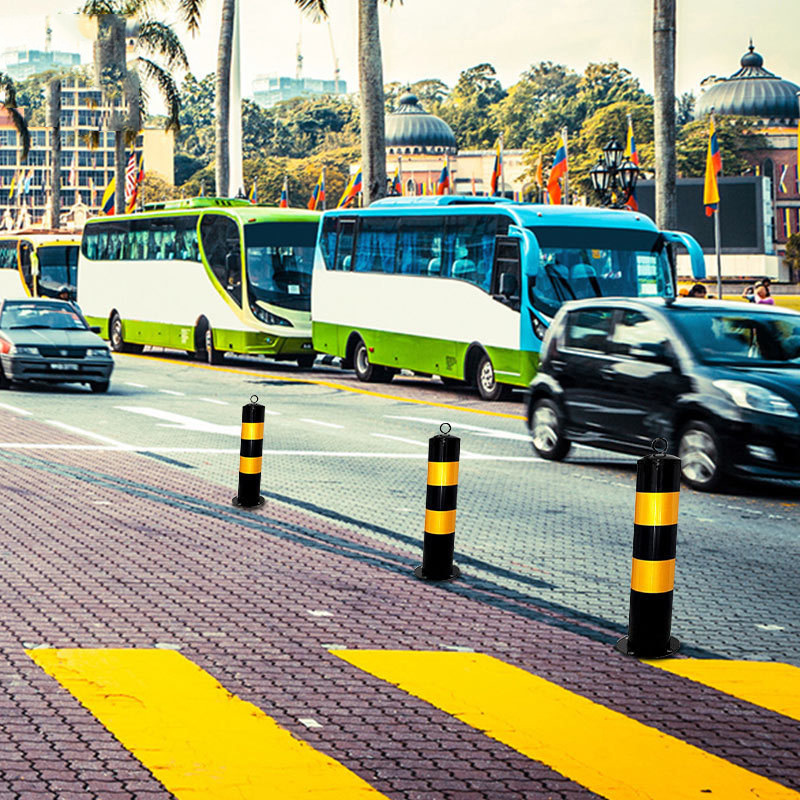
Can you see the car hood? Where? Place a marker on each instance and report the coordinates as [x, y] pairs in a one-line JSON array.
[[52, 337], [783, 380]]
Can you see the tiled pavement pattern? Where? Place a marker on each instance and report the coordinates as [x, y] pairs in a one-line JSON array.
[[115, 550]]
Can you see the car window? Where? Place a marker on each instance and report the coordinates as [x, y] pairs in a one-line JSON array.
[[589, 329], [637, 334]]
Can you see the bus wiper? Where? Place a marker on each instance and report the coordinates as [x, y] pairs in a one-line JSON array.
[[558, 281]]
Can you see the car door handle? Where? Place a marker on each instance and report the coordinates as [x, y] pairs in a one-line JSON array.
[[558, 366], [607, 372]]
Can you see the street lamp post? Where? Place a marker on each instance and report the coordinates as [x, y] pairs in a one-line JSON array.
[[614, 178]]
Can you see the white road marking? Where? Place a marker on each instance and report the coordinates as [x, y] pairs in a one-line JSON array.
[[137, 385], [308, 722], [489, 432], [399, 439], [169, 391], [212, 400], [318, 612], [770, 627], [89, 434], [16, 410], [318, 422], [182, 422]]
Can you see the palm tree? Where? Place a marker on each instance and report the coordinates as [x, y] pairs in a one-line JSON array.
[[8, 99], [159, 53], [664, 113]]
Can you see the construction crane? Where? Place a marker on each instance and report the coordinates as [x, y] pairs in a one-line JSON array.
[[336, 70], [48, 35], [298, 69]]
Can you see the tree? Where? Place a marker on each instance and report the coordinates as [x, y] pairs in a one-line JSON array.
[[223, 97], [155, 42], [735, 136], [8, 99], [664, 67], [467, 109], [684, 113], [792, 257]]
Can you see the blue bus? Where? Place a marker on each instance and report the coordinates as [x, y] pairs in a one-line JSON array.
[[465, 287]]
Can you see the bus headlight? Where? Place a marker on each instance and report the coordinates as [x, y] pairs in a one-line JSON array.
[[539, 328], [268, 317]]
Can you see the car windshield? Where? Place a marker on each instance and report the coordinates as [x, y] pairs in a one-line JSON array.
[[735, 338], [61, 317], [279, 260], [577, 263]]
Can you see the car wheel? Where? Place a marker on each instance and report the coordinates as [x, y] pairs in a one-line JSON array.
[[546, 431], [701, 461], [365, 371], [306, 361], [118, 344], [488, 387], [98, 387], [5, 383]]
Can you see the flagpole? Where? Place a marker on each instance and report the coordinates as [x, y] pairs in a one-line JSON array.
[[400, 174], [449, 174], [718, 252], [324, 181], [566, 173], [502, 167]]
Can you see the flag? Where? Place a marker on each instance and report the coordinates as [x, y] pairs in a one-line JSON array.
[[253, 196], [559, 169], [317, 199], [202, 190], [444, 180], [713, 166], [284, 203], [351, 190], [631, 154], [134, 177], [107, 203], [73, 171], [397, 187], [26, 186], [11, 188], [539, 171], [798, 156], [782, 182], [497, 171]]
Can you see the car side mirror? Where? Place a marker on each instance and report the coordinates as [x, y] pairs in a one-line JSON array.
[[508, 284]]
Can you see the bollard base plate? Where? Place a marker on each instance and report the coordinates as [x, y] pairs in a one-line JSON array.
[[672, 648], [238, 503], [456, 573]]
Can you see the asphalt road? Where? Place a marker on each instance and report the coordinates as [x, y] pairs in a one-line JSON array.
[[552, 537]]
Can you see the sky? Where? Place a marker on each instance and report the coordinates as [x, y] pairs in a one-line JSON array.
[[439, 38]]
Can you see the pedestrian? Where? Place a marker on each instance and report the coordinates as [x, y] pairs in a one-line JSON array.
[[749, 292], [699, 291], [63, 293], [762, 295], [766, 283]]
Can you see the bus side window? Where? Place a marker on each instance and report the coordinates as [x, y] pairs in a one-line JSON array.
[[375, 246], [469, 248], [328, 241], [8, 255], [344, 245], [506, 262], [419, 248]]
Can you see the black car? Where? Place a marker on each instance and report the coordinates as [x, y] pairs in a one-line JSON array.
[[720, 381], [49, 340]]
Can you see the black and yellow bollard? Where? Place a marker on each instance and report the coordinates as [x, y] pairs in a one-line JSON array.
[[440, 508], [655, 533], [249, 494]]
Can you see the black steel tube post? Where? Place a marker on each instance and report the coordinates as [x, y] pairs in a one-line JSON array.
[[250, 453], [655, 533], [440, 508]]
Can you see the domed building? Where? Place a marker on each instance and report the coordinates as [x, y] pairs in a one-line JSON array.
[[410, 130], [754, 91]]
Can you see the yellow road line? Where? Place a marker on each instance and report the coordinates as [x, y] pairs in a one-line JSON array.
[[200, 741], [330, 384], [769, 684], [603, 750]]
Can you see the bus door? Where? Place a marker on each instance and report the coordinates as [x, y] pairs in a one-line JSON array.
[[506, 273], [532, 327], [27, 266]]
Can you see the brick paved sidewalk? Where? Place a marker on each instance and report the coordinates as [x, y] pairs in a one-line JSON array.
[[110, 550]]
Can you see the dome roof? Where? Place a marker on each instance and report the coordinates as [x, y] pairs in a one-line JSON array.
[[412, 129], [752, 91]]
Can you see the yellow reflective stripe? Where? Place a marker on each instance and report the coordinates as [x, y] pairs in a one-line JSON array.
[[653, 577], [612, 755], [442, 473], [200, 741], [249, 466], [764, 683], [440, 521], [656, 508], [252, 430]]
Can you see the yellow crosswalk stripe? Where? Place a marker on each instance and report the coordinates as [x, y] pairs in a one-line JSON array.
[[764, 683], [200, 741], [603, 750]]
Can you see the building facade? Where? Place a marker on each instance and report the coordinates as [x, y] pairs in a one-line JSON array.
[[22, 64], [271, 89], [87, 158]]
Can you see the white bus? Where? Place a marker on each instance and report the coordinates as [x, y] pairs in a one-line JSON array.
[[38, 264], [465, 287], [206, 275]]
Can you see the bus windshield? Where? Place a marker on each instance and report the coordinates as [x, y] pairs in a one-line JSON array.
[[577, 263], [58, 264], [279, 257]]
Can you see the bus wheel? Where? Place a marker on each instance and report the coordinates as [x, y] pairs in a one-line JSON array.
[[488, 387], [213, 355], [369, 373], [118, 344], [306, 361]]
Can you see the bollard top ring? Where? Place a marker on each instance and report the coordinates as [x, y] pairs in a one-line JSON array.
[[254, 398], [660, 445], [442, 428]]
